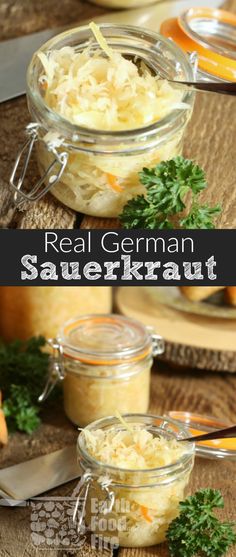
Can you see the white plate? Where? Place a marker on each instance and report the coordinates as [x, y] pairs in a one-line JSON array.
[[151, 17], [172, 297]]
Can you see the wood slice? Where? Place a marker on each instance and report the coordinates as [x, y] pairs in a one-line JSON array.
[[191, 340]]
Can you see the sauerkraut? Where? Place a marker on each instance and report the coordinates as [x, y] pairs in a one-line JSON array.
[[40, 310], [90, 397], [132, 449], [102, 90], [145, 501]]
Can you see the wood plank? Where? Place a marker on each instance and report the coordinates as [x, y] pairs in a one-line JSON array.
[[27, 16], [92, 222]]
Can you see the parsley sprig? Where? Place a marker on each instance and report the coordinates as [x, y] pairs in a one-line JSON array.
[[19, 410], [167, 187], [23, 372], [197, 532]]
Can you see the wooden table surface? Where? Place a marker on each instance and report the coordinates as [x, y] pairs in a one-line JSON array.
[[210, 139], [172, 389]]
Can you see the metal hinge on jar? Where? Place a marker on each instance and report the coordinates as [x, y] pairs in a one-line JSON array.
[[39, 189], [56, 369], [158, 343], [82, 497]]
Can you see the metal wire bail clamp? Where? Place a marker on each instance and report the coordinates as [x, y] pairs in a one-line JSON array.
[[158, 343], [56, 369], [84, 486], [39, 189]]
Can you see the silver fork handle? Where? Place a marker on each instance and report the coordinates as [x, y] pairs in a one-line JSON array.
[[39, 189]]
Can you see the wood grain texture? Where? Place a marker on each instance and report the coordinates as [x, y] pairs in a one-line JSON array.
[[92, 223], [190, 340], [171, 389], [210, 139], [20, 17]]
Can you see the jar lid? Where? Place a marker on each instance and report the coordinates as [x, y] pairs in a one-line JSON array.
[[209, 32], [105, 339], [198, 424]]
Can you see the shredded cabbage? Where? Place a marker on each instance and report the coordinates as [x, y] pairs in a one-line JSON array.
[[137, 449], [104, 92], [101, 89], [100, 185], [148, 509]]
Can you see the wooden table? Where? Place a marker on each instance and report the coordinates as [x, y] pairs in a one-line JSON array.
[[210, 139], [172, 389]]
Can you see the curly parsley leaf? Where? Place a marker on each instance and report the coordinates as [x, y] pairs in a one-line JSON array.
[[23, 373], [197, 532], [167, 186], [19, 411], [200, 216], [140, 213]]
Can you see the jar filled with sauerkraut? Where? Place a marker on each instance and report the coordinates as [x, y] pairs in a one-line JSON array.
[[103, 107], [105, 363], [135, 474]]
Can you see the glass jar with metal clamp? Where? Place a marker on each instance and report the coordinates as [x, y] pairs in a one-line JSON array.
[[132, 506], [104, 362], [92, 170]]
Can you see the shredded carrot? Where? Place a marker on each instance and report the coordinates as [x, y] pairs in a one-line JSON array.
[[138, 448], [144, 513], [113, 183], [71, 97]]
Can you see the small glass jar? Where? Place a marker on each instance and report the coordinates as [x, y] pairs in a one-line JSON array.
[[40, 310], [105, 363], [103, 155], [132, 508], [127, 4]]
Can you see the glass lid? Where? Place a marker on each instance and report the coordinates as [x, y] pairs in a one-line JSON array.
[[198, 424], [215, 29], [212, 35], [105, 339]]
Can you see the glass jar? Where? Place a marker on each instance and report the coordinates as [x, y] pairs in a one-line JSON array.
[[77, 169], [105, 363], [40, 310], [133, 508], [123, 3]]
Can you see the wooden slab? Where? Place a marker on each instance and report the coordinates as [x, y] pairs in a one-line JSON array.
[[210, 138], [191, 340]]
